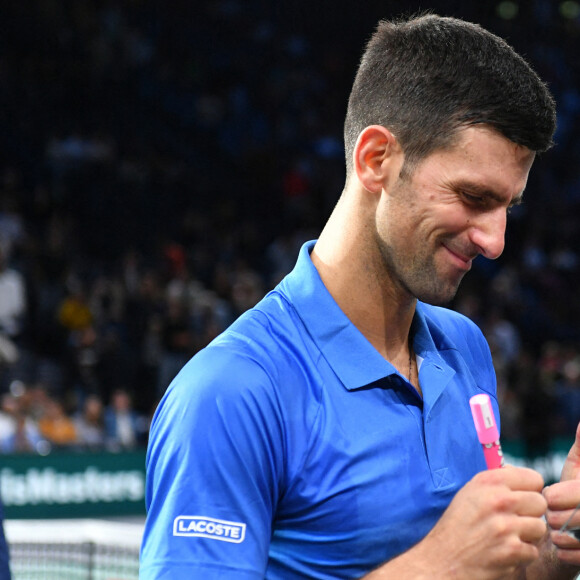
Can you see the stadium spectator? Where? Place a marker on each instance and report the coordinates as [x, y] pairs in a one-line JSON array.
[[12, 310], [20, 432], [125, 428], [89, 424], [74, 313], [56, 426]]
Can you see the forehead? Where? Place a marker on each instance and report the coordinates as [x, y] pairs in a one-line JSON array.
[[487, 139]]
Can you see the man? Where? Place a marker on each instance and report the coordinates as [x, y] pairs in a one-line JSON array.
[[327, 433]]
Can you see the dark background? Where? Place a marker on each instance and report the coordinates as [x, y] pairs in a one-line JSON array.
[[162, 162]]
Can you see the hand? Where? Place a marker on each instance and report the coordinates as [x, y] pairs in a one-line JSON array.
[[562, 499], [491, 528]]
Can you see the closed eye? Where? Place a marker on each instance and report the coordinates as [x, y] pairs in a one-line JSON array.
[[485, 200], [473, 198]]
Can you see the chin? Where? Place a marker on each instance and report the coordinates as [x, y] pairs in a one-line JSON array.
[[438, 296], [432, 286]]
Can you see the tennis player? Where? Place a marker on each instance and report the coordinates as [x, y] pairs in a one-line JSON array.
[[327, 433]]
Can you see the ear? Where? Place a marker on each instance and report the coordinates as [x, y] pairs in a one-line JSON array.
[[377, 156]]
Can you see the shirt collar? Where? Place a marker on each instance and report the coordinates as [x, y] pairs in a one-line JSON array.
[[352, 357]]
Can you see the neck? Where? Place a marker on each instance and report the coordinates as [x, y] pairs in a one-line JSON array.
[[352, 269]]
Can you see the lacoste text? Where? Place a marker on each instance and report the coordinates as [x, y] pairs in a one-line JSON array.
[[209, 528]]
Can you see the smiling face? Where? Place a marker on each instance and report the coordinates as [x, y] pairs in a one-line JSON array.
[[452, 208]]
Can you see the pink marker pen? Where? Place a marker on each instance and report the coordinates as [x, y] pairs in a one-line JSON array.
[[487, 431]]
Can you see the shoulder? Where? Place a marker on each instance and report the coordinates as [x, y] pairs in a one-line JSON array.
[[253, 349], [246, 371]]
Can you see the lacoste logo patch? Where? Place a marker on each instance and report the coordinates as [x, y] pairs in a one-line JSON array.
[[203, 527]]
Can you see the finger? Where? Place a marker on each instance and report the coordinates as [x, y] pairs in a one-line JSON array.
[[516, 478], [516, 552], [569, 556], [564, 540], [556, 519], [528, 552], [563, 495], [532, 530], [528, 503]]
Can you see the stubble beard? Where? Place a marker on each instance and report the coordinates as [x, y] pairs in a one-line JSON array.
[[419, 276], [429, 286]]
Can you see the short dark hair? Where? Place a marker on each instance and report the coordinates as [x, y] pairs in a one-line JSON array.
[[425, 77]]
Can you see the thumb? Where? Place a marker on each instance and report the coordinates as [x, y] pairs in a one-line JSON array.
[[571, 469]]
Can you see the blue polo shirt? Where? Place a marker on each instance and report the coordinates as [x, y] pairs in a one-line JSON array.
[[290, 448]]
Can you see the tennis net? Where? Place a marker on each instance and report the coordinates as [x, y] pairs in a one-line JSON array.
[[73, 549]]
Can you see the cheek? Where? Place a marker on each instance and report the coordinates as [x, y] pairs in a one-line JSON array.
[[445, 221], [397, 231]]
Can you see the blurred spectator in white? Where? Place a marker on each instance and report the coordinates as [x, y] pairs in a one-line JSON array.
[[124, 427], [12, 297], [12, 314], [19, 433], [89, 424]]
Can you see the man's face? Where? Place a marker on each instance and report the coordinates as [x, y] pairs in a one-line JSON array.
[[431, 225]]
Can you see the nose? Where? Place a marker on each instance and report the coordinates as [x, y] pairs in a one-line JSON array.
[[487, 232]]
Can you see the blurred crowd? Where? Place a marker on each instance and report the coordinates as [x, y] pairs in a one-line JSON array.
[[160, 168]]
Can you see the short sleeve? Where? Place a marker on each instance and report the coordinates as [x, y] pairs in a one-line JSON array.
[[213, 471]]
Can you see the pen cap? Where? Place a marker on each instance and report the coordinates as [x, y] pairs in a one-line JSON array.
[[484, 419]]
